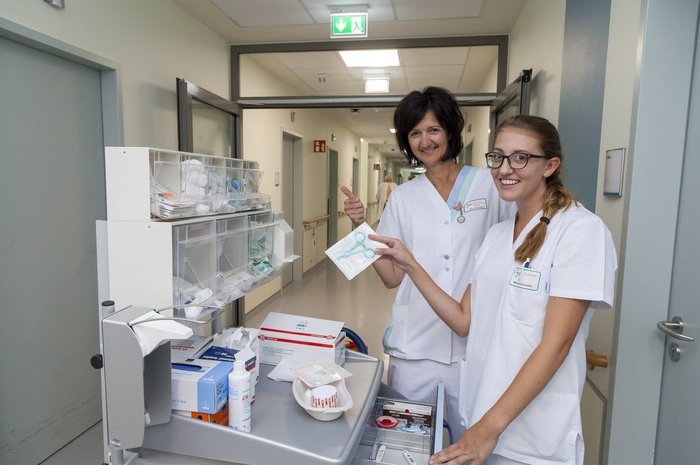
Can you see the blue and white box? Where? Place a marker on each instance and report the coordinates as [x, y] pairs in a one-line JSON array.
[[200, 386]]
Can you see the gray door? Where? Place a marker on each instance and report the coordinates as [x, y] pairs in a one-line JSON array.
[[51, 192], [332, 196], [679, 413]]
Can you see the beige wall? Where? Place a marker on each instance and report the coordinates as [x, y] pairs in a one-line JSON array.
[[537, 42]]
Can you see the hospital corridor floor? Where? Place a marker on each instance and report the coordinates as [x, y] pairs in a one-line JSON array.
[[364, 304]]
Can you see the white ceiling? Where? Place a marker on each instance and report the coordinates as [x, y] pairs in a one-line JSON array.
[[460, 69]]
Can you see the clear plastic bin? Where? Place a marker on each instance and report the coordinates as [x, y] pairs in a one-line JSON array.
[[185, 184], [261, 241], [217, 261]]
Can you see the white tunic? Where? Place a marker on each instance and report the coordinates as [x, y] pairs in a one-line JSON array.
[[577, 261], [445, 247], [383, 192]]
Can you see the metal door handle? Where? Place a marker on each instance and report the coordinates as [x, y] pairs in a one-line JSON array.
[[674, 328]]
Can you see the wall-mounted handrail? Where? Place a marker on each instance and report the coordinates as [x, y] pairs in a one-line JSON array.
[[316, 221], [594, 359]]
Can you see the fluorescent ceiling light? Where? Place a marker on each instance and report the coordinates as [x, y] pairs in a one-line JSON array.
[[377, 86], [370, 58]]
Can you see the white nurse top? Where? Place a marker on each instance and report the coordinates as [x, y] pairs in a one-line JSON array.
[[444, 238], [577, 261]]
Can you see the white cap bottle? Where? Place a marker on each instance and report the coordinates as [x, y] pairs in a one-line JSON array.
[[250, 358], [239, 408]]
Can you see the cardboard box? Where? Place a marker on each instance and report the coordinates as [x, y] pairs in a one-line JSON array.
[[300, 338], [200, 386], [220, 417], [187, 349]]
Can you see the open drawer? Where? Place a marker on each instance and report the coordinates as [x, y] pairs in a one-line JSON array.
[[414, 434]]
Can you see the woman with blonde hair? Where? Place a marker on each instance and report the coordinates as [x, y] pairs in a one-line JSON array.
[[537, 279]]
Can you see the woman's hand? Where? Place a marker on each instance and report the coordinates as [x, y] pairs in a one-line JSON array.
[[397, 252], [353, 207], [474, 447]]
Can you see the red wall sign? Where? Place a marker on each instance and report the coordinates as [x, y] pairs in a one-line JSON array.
[[319, 146]]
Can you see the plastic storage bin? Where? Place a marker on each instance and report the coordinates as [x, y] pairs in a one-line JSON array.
[[216, 261], [145, 183]]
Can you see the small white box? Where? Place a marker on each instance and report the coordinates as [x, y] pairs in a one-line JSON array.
[[300, 338]]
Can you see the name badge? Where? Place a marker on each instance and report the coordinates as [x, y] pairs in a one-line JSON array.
[[525, 278], [478, 204]]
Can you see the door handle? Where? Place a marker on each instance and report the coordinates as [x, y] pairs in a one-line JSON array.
[[674, 328]]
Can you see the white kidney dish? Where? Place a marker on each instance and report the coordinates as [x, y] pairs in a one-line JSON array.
[[299, 388]]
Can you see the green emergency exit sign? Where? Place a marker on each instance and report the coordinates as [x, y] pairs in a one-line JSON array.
[[348, 25]]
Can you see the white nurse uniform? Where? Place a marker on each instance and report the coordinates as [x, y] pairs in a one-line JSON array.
[[444, 237], [509, 302]]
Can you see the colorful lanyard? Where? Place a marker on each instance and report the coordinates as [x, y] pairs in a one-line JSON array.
[[458, 206]]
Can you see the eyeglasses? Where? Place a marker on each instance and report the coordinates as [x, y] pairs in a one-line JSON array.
[[517, 160]]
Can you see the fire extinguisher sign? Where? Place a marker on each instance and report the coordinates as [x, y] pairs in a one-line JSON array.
[[319, 146]]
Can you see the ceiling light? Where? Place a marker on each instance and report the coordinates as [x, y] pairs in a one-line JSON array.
[[377, 86], [392, 130], [370, 58]]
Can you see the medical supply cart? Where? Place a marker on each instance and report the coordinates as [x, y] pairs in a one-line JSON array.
[[141, 429], [189, 232]]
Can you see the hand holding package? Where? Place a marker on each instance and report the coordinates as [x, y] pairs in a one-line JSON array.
[[355, 252]]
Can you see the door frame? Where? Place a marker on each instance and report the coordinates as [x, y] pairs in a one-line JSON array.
[[112, 127], [657, 147]]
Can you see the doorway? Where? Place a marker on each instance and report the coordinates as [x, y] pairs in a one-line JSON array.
[[291, 183], [332, 196]]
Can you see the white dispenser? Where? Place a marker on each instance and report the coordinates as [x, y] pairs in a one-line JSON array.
[[239, 408], [246, 354]]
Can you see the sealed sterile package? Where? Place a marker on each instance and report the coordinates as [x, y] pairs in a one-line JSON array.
[[355, 252], [320, 372]]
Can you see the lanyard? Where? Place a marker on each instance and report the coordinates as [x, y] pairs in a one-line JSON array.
[[458, 206]]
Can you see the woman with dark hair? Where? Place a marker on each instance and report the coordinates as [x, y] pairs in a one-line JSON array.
[[537, 279], [442, 215]]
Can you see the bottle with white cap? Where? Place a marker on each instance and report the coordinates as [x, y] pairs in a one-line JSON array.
[[239, 408], [247, 354]]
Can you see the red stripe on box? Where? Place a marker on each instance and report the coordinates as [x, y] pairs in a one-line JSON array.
[[275, 330], [293, 341]]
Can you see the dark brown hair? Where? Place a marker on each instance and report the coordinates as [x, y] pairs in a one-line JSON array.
[[413, 108]]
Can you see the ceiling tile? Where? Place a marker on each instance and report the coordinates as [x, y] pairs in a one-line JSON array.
[[434, 56], [421, 10], [434, 72], [247, 13], [377, 10]]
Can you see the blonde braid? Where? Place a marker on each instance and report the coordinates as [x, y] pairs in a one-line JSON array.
[[556, 199]]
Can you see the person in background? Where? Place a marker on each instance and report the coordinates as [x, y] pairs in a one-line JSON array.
[[538, 278], [383, 192], [443, 216]]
